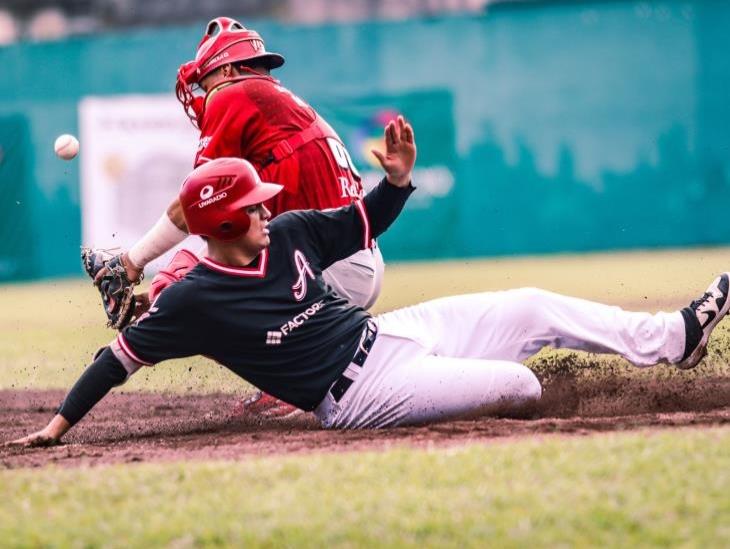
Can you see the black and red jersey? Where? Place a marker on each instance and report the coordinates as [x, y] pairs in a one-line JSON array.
[[274, 322]]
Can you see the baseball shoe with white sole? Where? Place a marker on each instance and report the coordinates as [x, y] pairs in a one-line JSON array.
[[701, 317]]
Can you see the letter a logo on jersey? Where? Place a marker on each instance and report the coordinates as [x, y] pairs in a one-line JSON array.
[[304, 270]]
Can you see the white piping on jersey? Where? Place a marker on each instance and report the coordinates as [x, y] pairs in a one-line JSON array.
[[129, 352], [259, 271], [366, 223]]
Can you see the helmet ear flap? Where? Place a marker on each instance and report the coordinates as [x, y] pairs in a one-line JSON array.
[[233, 228], [243, 221]]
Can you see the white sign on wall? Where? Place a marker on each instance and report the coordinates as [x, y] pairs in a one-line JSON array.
[[137, 149]]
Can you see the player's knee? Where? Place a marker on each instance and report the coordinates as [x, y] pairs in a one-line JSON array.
[[532, 388], [522, 394], [525, 387]]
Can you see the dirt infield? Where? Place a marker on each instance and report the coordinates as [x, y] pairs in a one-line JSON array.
[[151, 427]]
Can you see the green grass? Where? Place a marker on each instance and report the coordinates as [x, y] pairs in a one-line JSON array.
[[49, 331], [640, 489], [620, 489]]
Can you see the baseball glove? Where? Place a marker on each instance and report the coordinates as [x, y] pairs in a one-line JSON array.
[[115, 287]]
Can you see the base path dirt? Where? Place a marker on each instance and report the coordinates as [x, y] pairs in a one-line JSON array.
[[139, 427]]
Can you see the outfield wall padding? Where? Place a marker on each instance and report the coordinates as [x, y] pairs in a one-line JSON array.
[[543, 127]]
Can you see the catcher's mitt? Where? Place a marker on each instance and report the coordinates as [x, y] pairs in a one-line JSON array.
[[114, 286]]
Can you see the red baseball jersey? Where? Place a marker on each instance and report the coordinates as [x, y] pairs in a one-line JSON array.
[[284, 138]]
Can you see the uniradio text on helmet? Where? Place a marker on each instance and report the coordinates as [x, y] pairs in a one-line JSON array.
[[216, 198], [216, 59]]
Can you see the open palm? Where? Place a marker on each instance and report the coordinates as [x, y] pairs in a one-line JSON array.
[[400, 152]]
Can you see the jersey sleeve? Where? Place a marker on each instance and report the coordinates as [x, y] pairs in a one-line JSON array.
[[97, 380], [338, 233], [228, 120], [166, 331]]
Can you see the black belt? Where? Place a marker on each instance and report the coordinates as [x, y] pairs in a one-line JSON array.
[[340, 387]]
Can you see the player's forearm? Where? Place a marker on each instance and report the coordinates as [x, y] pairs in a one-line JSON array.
[[384, 203], [97, 380], [94, 383], [175, 213], [167, 233]]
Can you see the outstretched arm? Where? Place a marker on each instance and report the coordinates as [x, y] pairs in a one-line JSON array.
[[96, 381], [340, 232], [167, 233], [116, 276]]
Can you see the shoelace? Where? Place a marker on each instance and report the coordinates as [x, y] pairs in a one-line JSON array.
[[697, 303]]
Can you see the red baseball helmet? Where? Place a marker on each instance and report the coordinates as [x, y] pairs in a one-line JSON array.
[[225, 41], [215, 195]]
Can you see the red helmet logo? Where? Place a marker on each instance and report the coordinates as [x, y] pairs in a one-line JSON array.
[[215, 195]]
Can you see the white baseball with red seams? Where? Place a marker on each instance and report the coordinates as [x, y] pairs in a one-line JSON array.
[[66, 146]]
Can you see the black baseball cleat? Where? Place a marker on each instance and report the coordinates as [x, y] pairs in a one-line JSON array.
[[701, 317]]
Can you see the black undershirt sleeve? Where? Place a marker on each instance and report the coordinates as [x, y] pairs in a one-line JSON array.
[[96, 381], [383, 205], [339, 233]]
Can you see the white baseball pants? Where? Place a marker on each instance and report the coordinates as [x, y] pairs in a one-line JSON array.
[[358, 278], [461, 355]]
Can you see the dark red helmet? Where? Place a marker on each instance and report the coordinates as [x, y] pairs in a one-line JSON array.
[[215, 195], [225, 41]]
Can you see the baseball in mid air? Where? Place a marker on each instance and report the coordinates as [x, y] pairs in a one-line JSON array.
[[66, 146]]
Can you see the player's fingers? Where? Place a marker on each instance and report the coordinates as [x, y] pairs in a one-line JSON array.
[[400, 127], [100, 276], [390, 133], [408, 134], [397, 129], [18, 443]]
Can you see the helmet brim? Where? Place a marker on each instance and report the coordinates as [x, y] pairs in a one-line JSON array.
[[261, 193], [270, 59]]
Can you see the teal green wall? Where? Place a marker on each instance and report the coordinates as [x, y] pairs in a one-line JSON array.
[[567, 126]]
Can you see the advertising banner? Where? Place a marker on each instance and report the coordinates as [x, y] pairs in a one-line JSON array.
[[430, 215], [137, 151], [139, 148]]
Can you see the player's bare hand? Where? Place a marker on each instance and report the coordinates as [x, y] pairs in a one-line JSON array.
[[50, 435], [400, 152], [34, 440]]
